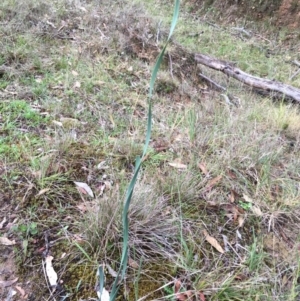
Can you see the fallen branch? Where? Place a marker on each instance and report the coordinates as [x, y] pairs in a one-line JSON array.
[[265, 86]]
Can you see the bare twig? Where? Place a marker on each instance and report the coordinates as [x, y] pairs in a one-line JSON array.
[[227, 100], [296, 63], [171, 65], [242, 30], [158, 32], [212, 83], [295, 74], [213, 25], [230, 99]]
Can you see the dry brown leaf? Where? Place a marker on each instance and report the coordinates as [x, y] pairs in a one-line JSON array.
[[8, 282], [177, 285], [51, 274], [67, 121], [203, 168], [104, 296], [181, 296], [43, 191], [240, 277], [3, 222], [241, 220], [231, 174], [57, 123], [133, 264], [84, 188], [81, 207], [211, 240], [212, 204], [77, 84], [78, 238], [178, 138], [226, 243], [256, 210], [21, 291], [184, 295], [108, 185], [178, 165], [201, 296], [213, 182], [101, 187], [233, 196], [111, 271], [247, 199], [284, 280], [232, 211], [102, 165], [160, 145], [7, 242]]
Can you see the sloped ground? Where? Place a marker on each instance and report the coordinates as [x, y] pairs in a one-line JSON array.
[[291, 9], [277, 12], [215, 215]]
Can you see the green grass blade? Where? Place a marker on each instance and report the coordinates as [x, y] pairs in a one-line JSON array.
[[124, 257], [101, 279], [83, 252]]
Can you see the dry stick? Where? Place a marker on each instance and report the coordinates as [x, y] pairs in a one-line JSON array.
[[263, 85], [242, 29], [298, 71], [295, 74], [212, 83], [228, 98], [158, 32], [171, 66], [296, 63]]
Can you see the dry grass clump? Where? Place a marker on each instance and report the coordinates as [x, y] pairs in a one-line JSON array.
[[36, 16], [153, 224], [181, 186], [246, 140]]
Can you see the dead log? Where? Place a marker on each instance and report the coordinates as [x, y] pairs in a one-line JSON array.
[[265, 86]]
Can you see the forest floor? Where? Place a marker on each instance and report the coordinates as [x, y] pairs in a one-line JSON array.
[[215, 213]]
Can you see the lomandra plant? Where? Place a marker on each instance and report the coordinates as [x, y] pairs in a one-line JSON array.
[[138, 163]]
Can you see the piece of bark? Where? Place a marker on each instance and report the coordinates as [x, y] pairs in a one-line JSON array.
[[264, 86]]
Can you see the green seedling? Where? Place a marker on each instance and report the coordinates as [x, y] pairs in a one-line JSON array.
[[26, 231], [245, 205]]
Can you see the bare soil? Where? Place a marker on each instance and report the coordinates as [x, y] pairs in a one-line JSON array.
[[278, 12]]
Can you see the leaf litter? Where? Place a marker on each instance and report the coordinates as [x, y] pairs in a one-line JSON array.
[[213, 242], [181, 294], [178, 165], [50, 272], [8, 283], [7, 242], [84, 188], [254, 208]]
